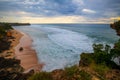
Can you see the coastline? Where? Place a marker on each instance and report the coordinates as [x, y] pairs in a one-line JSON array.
[[27, 55], [14, 42]]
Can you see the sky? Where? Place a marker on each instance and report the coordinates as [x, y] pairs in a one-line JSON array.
[[59, 11]]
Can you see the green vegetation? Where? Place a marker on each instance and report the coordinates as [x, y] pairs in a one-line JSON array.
[[75, 73], [101, 55], [84, 75], [101, 69], [116, 25], [69, 73], [4, 42], [4, 27], [10, 69], [41, 76]]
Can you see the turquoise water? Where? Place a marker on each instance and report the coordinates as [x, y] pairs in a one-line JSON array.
[[60, 45]]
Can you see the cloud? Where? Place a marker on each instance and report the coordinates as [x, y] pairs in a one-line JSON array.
[[42, 7], [17, 14], [89, 11], [78, 2], [115, 18], [60, 19], [7, 0]]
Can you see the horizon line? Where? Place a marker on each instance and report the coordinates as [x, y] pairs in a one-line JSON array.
[[55, 23]]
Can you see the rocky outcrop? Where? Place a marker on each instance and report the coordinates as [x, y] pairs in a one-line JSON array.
[[5, 45], [116, 26], [10, 69], [19, 24]]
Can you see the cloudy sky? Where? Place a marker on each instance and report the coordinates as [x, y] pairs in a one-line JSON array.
[[59, 11]]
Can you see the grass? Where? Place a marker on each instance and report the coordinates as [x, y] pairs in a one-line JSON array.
[[74, 73], [69, 73], [101, 70], [85, 76], [41, 76]]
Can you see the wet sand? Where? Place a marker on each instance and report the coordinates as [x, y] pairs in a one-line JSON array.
[[27, 54]]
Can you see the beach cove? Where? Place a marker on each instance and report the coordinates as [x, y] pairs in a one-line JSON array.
[[57, 53], [27, 56]]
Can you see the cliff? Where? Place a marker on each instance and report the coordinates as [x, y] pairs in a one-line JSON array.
[[19, 24], [10, 69], [15, 24], [116, 26]]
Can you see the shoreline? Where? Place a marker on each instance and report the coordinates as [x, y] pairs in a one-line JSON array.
[[27, 56]]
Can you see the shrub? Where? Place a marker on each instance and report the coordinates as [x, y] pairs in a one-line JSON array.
[[41, 76], [70, 71], [86, 59], [85, 76], [74, 73], [101, 69]]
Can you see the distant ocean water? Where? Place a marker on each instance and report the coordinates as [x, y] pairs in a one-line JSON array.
[[60, 45]]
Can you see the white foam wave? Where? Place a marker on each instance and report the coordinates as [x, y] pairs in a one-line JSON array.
[[69, 39], [61, 48], [58, 48]]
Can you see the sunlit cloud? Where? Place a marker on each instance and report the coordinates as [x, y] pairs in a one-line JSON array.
[[62, 11], [60, 19], [89, 11], [113, 19]]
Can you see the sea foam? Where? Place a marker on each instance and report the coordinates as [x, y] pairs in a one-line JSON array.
[[58, 48]]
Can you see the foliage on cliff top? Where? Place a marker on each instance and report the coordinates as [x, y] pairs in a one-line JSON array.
[[116, 26], [69, 73], [4, 42]]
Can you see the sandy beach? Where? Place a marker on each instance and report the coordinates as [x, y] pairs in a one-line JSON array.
[[27, 55]]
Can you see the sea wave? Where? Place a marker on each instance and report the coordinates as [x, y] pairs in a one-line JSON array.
[[62, 47], [58, 48]]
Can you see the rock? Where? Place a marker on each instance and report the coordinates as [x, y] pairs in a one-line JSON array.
[[21, 49], [116, 26], [10, 69]]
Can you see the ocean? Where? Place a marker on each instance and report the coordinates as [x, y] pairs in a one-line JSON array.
[[60, 45]]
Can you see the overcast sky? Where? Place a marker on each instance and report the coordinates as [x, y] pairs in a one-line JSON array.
[[59, 11]]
